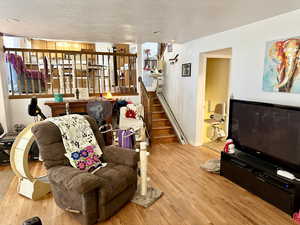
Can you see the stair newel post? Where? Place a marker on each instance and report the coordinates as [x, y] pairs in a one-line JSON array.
[[147, 103], [144, 164]]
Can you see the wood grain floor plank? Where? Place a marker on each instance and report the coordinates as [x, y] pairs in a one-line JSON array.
[[191, 197]]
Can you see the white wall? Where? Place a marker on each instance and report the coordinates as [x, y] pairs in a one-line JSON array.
[[104, 46], [4, 112], [19, 110], [248, 49], [16, 42]]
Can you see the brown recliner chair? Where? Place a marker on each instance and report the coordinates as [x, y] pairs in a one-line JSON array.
[[89, 197]]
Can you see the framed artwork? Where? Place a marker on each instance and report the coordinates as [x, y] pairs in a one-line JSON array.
[[282, 66], [170, 47], [83, 93], [186, 70]]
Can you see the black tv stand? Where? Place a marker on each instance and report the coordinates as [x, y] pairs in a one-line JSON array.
[[259, 177]]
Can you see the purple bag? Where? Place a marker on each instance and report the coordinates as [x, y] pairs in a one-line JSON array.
[[126, 138]]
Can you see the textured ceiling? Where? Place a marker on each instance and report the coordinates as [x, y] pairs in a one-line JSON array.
[[133, 20]]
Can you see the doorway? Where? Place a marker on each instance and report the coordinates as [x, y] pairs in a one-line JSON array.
[[216, 99]]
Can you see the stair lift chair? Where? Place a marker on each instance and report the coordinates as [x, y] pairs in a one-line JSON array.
[[216, 120], [89, 197], [157, 82]]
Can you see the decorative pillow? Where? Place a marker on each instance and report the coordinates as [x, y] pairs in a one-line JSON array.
[[138, 109], [80, 143], [130, 114], [87, 159]]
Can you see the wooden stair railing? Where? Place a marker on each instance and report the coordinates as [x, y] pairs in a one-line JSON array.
[[48, 72], [158, 125], [146, 101]]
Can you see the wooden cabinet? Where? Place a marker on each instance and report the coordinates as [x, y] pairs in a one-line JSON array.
[[75, 106], [122, 48], [62, 45]]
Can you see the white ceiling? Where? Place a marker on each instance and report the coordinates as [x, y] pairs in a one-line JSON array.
[[133, 20]]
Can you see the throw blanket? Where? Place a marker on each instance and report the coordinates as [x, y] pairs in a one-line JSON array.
[[17, 62], [81, 146]]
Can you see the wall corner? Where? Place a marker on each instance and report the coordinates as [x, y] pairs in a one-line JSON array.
[[4, 101]]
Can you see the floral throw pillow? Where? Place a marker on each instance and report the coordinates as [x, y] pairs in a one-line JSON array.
[[87, 159], [130, 114]]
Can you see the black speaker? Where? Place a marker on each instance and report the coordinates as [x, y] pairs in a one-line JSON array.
[[1, 129], [33, 221], [34, 151]]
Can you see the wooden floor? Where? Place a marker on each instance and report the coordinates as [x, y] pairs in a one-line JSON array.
[[6, 176], [192, 197], [215, 145]]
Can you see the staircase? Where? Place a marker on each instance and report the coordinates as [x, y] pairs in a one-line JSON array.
[[156, 120], [162, 130]]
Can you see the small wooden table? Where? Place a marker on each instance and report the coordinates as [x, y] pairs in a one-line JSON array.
[[75, 106]]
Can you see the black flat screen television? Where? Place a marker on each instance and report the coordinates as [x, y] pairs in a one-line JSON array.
[[266, 130]]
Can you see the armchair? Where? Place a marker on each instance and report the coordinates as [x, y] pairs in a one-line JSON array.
[[89, 197]]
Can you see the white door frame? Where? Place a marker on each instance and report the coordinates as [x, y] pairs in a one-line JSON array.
[[201, 92]]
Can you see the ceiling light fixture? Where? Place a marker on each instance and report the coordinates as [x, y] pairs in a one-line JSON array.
[[13, 20]]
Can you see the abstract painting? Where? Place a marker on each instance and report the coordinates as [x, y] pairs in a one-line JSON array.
[[282, 66]]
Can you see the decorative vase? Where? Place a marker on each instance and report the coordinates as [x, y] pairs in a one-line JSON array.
[[58, 98]]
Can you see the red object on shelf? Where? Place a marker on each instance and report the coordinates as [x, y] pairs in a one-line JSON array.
[[226, 147], [296, 217]]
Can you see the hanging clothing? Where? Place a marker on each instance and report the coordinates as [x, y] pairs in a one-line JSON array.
[[20, 68], [126, 138], [17, 62]]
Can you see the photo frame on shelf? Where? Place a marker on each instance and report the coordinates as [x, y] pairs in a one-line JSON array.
[[83, 93], [186, 70]]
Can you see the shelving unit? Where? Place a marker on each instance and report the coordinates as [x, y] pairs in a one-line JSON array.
[[259, 177]]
